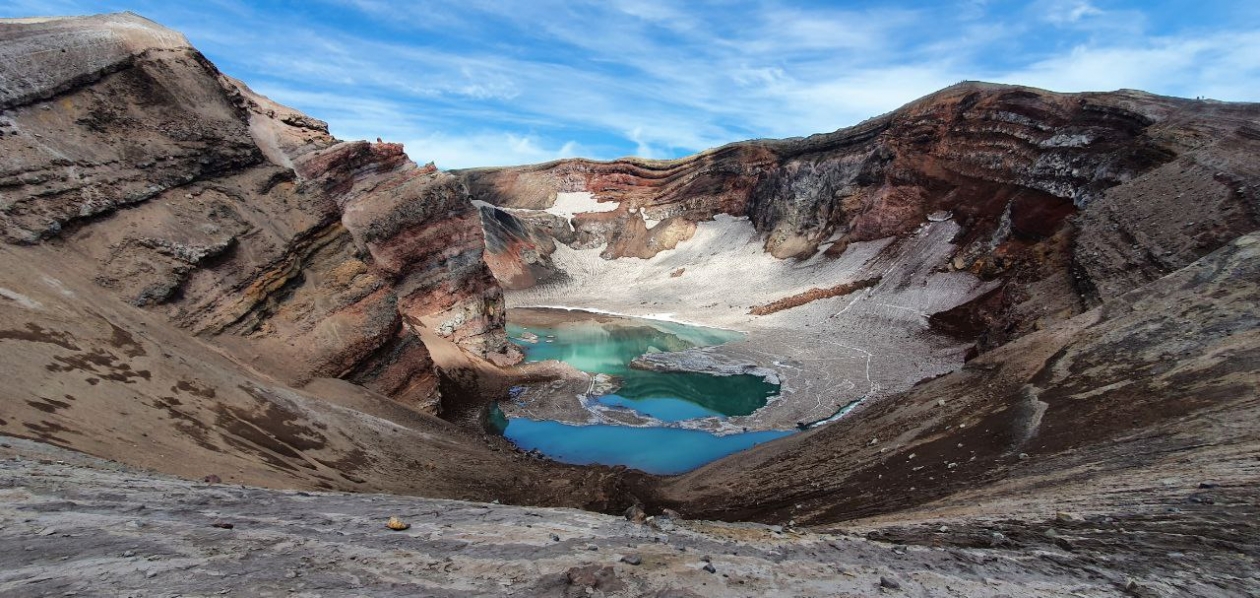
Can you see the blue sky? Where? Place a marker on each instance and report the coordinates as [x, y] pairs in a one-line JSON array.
[[475, 82]]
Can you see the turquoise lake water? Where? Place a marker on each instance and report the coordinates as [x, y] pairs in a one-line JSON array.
[[667, 396]]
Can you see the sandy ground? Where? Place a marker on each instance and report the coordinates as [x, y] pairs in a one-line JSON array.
[[74, 525], [828, 353]]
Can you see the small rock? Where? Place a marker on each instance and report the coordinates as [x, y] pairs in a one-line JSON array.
[[555, 538], [888, 582], [5, 445], [290, 574], [1207, 485], [632, 559], [128, 554], [710, 568], [397, 524], [1023, 456], [636, 514], [1201, 499], [778, 529], [151, 574], [222, 525], [48, 531], [592, 547], [212, 479]]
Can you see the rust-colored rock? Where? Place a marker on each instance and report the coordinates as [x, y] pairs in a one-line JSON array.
[[1015, 166]]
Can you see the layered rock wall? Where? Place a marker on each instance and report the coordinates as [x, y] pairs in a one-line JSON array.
[[239, 219], [1066, 197]]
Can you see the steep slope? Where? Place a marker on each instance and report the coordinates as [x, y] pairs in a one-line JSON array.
[[1065, 198], [189, 267], [1128, 406]]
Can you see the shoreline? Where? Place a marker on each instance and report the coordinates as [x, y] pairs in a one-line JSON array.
[[659, 317], [583, 409]]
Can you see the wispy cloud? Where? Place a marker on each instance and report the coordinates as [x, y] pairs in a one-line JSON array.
[[482, 82], [1066, 12]]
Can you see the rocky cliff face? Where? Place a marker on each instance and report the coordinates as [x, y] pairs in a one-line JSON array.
[[1067, 199], [240, 220]]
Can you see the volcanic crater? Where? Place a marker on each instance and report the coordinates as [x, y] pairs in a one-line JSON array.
[[999, 323]]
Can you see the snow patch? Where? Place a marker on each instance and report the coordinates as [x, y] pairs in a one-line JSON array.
[[570, 204]]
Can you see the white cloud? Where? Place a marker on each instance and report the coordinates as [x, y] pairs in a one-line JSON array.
[[473, 82], [466, 150], [1222, 67]]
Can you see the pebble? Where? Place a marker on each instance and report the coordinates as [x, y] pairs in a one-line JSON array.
[[890, 583], [128, 554], [710, 568], [632, 559], [635, 514], [555, 538], [397, 524]]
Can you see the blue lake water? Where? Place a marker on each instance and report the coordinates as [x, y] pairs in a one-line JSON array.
[[663, 451], [607, 345]]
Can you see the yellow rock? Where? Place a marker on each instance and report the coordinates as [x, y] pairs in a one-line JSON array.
[[397, 524]]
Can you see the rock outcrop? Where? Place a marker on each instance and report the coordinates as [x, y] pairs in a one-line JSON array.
[[239, 219], [1068, 199]]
